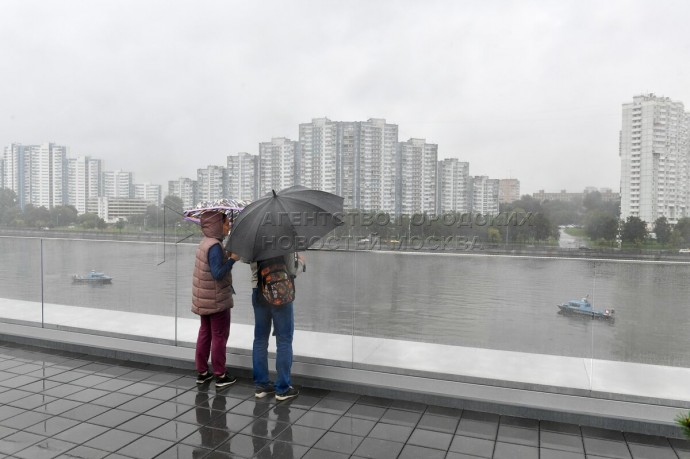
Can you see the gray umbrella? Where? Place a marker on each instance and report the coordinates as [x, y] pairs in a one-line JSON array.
[[288, 221]]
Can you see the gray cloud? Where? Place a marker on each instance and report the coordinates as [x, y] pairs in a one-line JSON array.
[[527, 89]]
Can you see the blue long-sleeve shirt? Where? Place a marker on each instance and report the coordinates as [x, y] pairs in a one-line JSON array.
[[215, 260]]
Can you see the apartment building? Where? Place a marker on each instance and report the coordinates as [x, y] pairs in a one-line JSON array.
[[453, 186], [242, 177], [211, 183], [317, 144], [185, 189], [508, 190], [118, 184], [148, 192], [485, 195], [417, 165], [654, 153], [84, 176], [278, 165]]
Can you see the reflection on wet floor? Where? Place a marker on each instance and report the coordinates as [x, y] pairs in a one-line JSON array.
[[58, 404]]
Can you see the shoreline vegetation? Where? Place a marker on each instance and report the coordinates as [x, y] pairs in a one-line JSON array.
[[429, 244]]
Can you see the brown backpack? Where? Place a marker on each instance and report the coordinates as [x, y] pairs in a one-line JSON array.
[[276, 285]]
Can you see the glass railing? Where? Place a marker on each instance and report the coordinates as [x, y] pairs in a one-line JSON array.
[[457, 315]]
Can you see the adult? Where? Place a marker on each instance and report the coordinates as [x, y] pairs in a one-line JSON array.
[[283, 320], [212, 299]]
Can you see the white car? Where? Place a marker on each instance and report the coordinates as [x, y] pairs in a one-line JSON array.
[[684, 251]]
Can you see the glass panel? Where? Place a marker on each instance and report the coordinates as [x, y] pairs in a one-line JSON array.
[[474, 317], [323, 306], [20, 287], [113, 288], [644, 352]]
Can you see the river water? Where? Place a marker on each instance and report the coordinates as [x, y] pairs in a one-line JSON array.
[[495, 302]]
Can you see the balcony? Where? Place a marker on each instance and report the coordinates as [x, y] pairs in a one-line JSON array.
[[460, 329]]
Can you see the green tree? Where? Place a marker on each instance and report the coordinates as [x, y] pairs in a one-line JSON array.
[[120, 224], [662, 229], [634, 230], [9, 207], [681, 231], [91, 221], [63, 216], [601, 225]]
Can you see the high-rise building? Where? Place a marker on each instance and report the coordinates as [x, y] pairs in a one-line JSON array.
[[317, 144], [84, 181], [279, 163], [508, 190], [148, 192], [211, 183], [654, 151], [185, 189], [118, 184], [2, 172], [453, 186], [416, 190], [36, 173], [485, 195], [242, 182]]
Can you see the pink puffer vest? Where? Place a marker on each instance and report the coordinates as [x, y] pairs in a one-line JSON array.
[[209, 295]]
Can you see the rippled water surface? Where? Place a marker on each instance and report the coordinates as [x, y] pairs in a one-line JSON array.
[[495, 302]]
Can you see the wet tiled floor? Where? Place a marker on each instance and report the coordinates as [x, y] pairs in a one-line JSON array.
[[58, 404]]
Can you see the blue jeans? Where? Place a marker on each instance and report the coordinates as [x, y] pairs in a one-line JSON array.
[[283, 320]]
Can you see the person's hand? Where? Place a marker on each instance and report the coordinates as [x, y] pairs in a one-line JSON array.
[[300, 257], [234, 256]]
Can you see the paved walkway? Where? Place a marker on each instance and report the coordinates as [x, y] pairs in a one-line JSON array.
[[58, 404]]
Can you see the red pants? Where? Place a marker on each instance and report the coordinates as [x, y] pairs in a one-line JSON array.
[[213, 336]]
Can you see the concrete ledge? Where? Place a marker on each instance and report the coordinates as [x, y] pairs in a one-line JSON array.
[[653, 419]]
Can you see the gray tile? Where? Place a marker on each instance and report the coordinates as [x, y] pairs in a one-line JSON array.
[[59, 406], [207, 437], [317, 419], [114, 384], [474, 446], [302, 435], [142, 424], [375, 401], [231, 422], [145, 447], [168, 410], [430, 439], [438, 423], [84, 452], [525, 423], [608, 448], [651, 452], [416, 452], [112, 418], [371, 412], [113, 399], [444, 411], [323, 454], [545, 453], [333, 406], [408, 406], [391, 432], [284, 413], [166, 393], [112, 440], [32, 401], [138, 388], [173, 430], [18, 441], [63, 390], [282, 450], [25, 419], [518, 435], [479, 429], [81, 432], [560, 441], [376, 448], [514, 451], [339, 442], [45, 449], [181, 451], [251, 408], [52, 426], [140, 405], [303, 401], [353, 426], [401, 417], [87, 395], [265, 429], [243, 445]]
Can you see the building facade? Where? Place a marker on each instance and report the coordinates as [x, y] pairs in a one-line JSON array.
[[148, 192], [508, 190], [654, 152], [485, 195], [84, 181], [317, 144], [185, 189], [36, 173], [453, 189], [278, 165], [118, 184], [242, 181], [211, 183], [416, 190]]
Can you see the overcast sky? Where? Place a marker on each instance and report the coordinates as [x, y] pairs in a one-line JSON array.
[[527, 89]]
